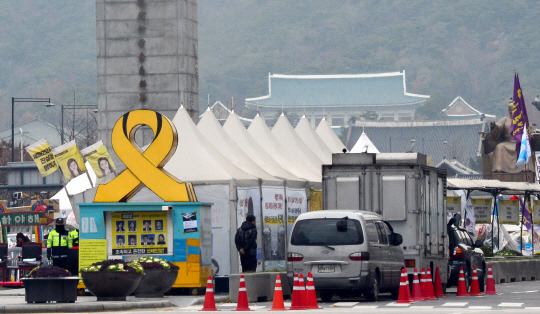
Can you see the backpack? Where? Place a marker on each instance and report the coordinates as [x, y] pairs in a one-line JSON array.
[[241, 236]]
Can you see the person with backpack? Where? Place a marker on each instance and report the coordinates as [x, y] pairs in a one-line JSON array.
[[246, 244]]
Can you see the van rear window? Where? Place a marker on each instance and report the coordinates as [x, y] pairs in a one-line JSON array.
[[324, 231]]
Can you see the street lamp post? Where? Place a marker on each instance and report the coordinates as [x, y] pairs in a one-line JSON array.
[[13, 101]]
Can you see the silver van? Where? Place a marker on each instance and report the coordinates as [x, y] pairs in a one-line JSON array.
[[347, 251]]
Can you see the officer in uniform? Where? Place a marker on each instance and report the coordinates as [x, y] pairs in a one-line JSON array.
[[73, 251], [57, 244]]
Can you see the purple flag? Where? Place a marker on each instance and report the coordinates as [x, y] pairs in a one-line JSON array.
[[519, 114], [526, 213]]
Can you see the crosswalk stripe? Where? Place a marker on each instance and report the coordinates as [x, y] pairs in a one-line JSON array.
[[455, 304], [510, 304], [365, 307], [344, 304], [479, 307]]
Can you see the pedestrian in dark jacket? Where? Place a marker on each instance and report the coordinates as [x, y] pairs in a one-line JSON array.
[[246, 244]]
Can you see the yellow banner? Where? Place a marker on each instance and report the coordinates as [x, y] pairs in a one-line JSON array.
[[509, 212], [139, 233], [70, 160], [42, 155], [99, 159], [315, 199], [91, 251], [453, 204], [482, 209]]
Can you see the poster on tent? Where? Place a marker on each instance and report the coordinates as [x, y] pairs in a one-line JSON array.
[[218, 196], [509, 212], [536, 211], [453, 205], [43, 156], [482, 209], [296, 204], [99, 159], [273, 234], [70, 160], [536, 238]]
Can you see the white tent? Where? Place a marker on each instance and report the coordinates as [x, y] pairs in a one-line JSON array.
[[238, 133], [329, 137], [214, 133], [287, 160], [307, 133], [364, 145]]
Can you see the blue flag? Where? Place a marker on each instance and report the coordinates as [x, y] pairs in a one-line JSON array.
[[525, 149]]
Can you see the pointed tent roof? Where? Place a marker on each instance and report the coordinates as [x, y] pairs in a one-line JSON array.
[[273, 147], [364, 145], [238, 133], [306, 132], [214, 133], [329, 137], [196, 160], [294, 146]]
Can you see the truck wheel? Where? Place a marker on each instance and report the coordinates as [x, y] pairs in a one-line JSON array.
[[372, 294], [326, 295]]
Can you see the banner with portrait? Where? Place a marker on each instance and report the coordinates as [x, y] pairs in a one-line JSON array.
[[43, 156], [273, 234], [139, 233], [70, 160], [99, 159]]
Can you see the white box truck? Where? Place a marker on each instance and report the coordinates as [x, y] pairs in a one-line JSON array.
[[403, 189]]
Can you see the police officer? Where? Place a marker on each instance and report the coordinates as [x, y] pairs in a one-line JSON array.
[[73, 251], [57, 244]]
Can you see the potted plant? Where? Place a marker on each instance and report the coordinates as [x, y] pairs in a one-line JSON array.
[[159, 277], [50, 283], [112, 280]]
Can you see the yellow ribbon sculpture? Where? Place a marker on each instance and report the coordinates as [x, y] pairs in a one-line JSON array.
[[144, 168]]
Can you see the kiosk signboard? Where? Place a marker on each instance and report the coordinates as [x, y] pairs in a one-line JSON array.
[[139, 233]]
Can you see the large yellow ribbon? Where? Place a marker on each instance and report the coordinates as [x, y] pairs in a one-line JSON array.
[[144, 168]]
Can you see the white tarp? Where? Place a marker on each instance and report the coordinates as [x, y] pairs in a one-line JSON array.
[[274, 147], [364, 145], [307, 133], [329, 137]]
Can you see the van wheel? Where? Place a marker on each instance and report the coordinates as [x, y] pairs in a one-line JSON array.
[[326, 295], [372, 294]]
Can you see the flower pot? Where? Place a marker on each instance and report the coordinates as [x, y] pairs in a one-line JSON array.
[[156, 282], [111, 286], [59, 289]]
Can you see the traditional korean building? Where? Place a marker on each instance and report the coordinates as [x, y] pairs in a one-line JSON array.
[[339, 97]]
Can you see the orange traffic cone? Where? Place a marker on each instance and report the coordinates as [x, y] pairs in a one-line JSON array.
[[423, 284], [297, 299], [408, 287], [278, 304], [209, 301], [302, 290], [475, 287], [462, 286], [416, 289], [490, 284], [311, 295], [242, 304], [404, 288], [429, 286], [439, 293]]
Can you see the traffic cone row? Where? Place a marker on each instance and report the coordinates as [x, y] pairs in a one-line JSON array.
[[297, 299], [416, 288], [439, 293], [311, 295], [475, 286]]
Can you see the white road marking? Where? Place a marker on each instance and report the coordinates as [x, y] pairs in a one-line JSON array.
[[365, 307], [530, 291], [510, 304], [398, 304], [344, 304], [479, 307], [455, 304]]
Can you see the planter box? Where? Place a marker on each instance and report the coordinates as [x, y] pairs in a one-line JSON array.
[[156, 282], [58, 289], [111, 286], [259, 286]]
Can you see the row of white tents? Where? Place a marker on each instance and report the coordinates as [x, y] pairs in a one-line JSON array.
[[249, 170]]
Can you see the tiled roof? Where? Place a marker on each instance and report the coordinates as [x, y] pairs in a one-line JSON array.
[[461, 137], [381, 89]]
